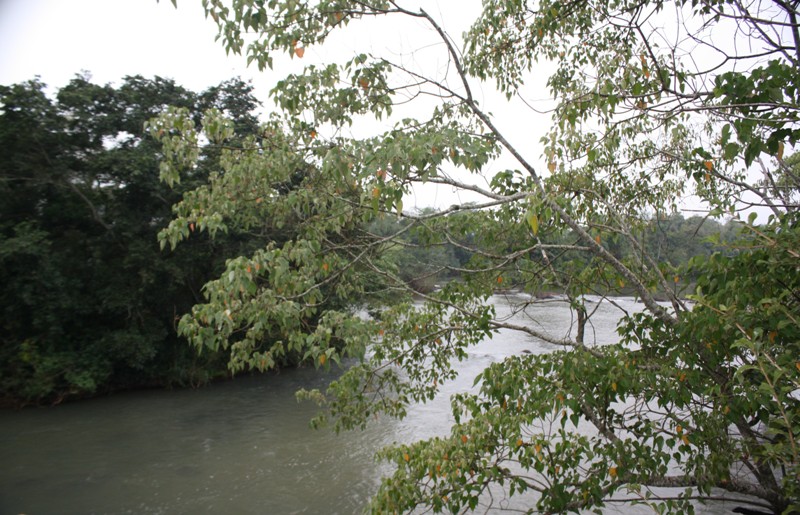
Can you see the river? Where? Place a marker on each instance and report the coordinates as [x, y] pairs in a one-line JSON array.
[[240, 446]]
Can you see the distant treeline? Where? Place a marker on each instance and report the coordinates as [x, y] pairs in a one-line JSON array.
[[672, 239]]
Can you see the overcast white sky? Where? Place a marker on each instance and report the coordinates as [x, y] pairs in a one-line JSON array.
[[56, 39]]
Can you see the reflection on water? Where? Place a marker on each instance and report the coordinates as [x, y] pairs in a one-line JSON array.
[[240, 447]]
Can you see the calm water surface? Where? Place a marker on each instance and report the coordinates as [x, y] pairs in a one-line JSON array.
[[242, 446]]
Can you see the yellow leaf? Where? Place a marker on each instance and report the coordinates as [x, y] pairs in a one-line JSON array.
[[406, 456], [551, 166], [612, 471], [614, 386], [685, 439], [322, 359], [780, 150], [533, 221], [709, 165], [464, 438]]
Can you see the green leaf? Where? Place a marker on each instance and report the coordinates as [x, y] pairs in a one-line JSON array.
[[731, 150]]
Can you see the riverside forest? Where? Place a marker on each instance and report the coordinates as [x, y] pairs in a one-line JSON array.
[[92, 301], [157, 237]]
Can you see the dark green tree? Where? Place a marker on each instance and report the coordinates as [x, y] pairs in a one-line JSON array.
[[90, 302]]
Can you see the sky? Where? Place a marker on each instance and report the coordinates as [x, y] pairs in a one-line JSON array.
[[56, 39]]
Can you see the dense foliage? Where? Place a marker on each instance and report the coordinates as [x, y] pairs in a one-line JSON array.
[[654, 101], [89, 302]]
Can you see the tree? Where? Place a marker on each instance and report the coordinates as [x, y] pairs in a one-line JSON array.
[[89, 301], [653, 101]]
